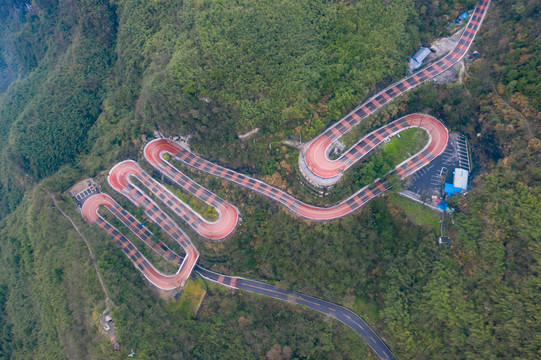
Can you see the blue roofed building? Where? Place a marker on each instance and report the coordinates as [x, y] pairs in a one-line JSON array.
[[462, 17], [450, 189], [460, 182], [442, 205]]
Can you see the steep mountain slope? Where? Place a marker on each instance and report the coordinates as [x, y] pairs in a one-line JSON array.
[[96, 78]]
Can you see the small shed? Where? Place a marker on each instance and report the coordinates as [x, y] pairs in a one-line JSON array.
[[462, 17], [444, 240], [443, 204], [417, 60], [461, 179]]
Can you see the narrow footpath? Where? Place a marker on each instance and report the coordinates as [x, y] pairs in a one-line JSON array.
[[107, 298]]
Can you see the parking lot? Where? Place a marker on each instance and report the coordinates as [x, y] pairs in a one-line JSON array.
[[429, 181], [82, 190]]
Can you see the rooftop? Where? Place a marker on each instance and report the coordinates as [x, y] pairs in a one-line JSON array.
[[461, 178]]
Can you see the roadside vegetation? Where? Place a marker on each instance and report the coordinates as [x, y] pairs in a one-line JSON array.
[[97, 78], [417, 213], [191, 298]]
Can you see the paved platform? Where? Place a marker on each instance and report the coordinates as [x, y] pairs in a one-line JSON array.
[[83, 190], [429, 180]]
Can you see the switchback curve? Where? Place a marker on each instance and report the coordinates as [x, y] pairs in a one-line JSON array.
[[89, 212], [438, 137], [314, 162], [119, 179]]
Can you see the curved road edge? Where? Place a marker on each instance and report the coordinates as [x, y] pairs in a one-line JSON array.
[[162, 281], [438, 138], [340, 313], [318, 168]]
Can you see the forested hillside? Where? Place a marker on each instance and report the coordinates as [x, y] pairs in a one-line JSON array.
[[84, 83]]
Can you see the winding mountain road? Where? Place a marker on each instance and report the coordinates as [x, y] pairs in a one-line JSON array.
[[120, 179], [438, 136], [314, 161], [90, 213], [314, 164]]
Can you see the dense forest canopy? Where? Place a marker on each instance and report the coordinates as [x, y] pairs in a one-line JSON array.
[[84, 83]]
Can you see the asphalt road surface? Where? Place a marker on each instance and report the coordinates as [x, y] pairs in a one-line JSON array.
[[319, 169], [315, 165], [89, 211], [340, 313]]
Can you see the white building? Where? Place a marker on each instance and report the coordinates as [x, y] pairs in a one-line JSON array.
[[461, 179]]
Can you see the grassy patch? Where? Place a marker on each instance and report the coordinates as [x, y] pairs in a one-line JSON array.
[[390, 154], [208, 212], [417, 213], [191, 298], [409, 142], [367, 309]]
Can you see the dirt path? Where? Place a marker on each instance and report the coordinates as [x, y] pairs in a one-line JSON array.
[[248, 134], [107, 299]]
